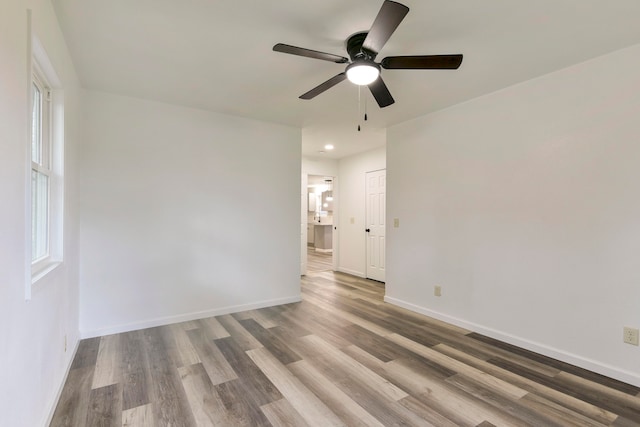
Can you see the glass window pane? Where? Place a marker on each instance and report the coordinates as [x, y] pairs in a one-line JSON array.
[[36, 126], [39, 215]]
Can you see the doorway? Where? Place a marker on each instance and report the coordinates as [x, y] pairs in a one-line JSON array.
[[319, 210]]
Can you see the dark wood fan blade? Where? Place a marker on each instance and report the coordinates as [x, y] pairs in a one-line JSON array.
[[422, 62], [381, 93], [388, 19], [324, 86], [300, 51]]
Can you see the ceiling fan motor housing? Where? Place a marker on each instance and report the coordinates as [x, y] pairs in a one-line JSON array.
[[354, 47]]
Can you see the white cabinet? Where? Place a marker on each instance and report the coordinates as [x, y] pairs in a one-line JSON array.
[[312, 202], [311, 233]]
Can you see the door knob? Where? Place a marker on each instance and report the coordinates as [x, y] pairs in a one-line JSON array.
[[368, 230]]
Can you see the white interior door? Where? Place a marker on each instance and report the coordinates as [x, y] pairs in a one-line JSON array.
[[303, 224], [375, 225]]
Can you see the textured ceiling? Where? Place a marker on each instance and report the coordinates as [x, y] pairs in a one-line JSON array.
[[217, 55]]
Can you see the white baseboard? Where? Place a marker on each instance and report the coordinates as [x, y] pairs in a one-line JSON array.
[[52, 409], [161, 321], [583, 362], [351, 272], [325, 251]]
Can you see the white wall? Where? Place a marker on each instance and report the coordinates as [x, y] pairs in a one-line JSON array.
[[352, 187], [327, 167], [33, 360], [524, 206], [184, 214]]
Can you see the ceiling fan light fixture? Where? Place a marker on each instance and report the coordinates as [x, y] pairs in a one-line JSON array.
[[363, 73]]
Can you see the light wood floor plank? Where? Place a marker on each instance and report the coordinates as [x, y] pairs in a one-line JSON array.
[[315, 347], [214, 328], [430, 416], [260, 316], [107, 363], [258, 387], [217, 367], [308, 405], [339, 402], [140, 416], [179, 345], [281, 414], [206, 405], [271, 341], [238, 332]]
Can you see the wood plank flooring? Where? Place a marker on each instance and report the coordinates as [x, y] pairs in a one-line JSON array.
[[318, 261], [341, 357]]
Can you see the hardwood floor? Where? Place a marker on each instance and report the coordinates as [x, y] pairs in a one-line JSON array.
[[318, 261], [340, 357]]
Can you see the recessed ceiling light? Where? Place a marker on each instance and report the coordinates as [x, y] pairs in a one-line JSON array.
[[328, 147]]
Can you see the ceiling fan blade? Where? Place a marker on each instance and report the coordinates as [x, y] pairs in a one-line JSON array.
[[300, 51], [388, 19], [422, 62], [381, 93], [324, 86]]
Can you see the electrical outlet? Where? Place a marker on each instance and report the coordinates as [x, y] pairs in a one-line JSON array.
[[396, 222], [631, 335], [437, 290]]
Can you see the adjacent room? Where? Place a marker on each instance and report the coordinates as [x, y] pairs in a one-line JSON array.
[[211, 217]]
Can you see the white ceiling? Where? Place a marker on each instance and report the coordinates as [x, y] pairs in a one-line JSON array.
[[217, 55]]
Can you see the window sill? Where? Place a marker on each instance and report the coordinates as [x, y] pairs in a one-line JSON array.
[[41, 270]]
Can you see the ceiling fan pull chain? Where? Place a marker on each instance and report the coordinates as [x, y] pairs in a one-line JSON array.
[[359, 104], [365, 108]]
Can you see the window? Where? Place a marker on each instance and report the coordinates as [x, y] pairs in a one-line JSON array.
[[46, 139], [40, 168]]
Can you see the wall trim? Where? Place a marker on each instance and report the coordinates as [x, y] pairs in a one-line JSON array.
[[167, 320], [574, 359]]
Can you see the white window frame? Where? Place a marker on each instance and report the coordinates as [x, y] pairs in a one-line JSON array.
[[43, 75], [41, 166]]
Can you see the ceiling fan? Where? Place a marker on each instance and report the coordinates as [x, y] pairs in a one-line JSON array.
[[363, 47]]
